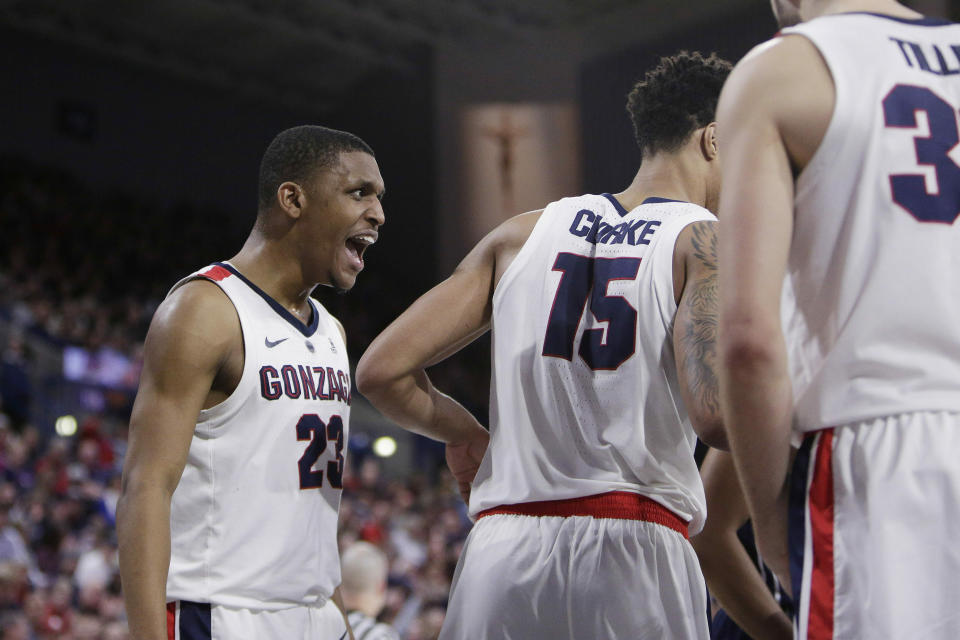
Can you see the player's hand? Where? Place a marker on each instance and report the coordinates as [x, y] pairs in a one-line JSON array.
[[463, 459]]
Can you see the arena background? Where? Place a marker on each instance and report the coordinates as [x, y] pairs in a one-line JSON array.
[[131, 137]]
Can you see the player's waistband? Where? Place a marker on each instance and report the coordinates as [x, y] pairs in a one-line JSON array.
[[621, 505]]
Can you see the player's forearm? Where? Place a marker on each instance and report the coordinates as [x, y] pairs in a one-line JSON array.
[[757, 407], [416, 405], [737, 585], [143, 531]]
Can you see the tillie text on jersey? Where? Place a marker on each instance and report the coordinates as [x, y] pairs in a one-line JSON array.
[[930, 57], [304, 381]]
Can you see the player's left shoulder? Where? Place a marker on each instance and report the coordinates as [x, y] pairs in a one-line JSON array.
[[783, 87], [772, 73]]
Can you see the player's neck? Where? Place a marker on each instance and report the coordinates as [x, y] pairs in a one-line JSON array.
[[269, 266], [816, 8], [666, 175]]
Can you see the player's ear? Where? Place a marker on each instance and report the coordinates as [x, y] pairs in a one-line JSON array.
[[708, 142], [291, 198]]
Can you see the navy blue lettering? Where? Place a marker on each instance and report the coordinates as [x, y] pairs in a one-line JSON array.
[[591, 236], [309, 388], [942, 202], [606, 233], [296, 381], [918, 54], [632, 238], [291, 383], [269, 383], [344, 386], [568, 304], [648, 229], [581, 226], [588, 278], [609, 348], [335, 467], [321, 374], [924, 58], [619, 233], [903, 49], [945, 69], [334, 383], [599, 232], [310, 427]]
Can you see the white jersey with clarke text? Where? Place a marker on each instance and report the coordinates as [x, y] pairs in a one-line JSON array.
[[875, 254], [254, 519], [584, 396]]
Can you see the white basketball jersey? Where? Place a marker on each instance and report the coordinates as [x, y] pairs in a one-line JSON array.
[[584, 396], [875, 255], [254, 519]]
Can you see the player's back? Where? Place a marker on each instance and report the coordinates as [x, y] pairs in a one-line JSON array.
[[874, 260], [584, 394]]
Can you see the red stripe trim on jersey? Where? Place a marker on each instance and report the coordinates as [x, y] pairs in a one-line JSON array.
[[822, 586], [171, 621], [621, 505], [216, 273]]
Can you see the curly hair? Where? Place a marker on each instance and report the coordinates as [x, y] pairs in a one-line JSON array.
[[675, 99], [294, 154]]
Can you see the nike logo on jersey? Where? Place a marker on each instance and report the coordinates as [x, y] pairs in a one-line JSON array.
[[272, 343]]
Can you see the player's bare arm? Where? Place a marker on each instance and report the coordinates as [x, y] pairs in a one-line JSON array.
[[731, 575], [392, 372], [772, 114], [695, 329], [192, 353]]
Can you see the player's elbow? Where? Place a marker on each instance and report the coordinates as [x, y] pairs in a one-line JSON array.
[[747, 346], [708, 426], [373, 375]]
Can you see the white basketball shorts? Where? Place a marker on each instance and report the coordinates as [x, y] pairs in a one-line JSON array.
[[578, 577], [874, 524], [203, 621]]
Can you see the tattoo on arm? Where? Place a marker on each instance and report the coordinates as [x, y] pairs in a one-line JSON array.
[[700, 332]]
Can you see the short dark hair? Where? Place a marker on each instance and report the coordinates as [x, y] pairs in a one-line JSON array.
[[675, 99], [294, 154]]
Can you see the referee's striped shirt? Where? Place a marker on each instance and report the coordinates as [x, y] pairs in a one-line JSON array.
[[366, 628]]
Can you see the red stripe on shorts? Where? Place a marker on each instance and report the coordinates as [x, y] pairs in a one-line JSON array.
[[621, 505], [820, 621], [171, 621]]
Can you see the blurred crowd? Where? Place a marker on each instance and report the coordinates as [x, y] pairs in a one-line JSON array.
[[81, 271], [58, 552]]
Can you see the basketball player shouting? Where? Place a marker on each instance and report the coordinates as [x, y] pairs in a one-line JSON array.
[[237, 439]]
